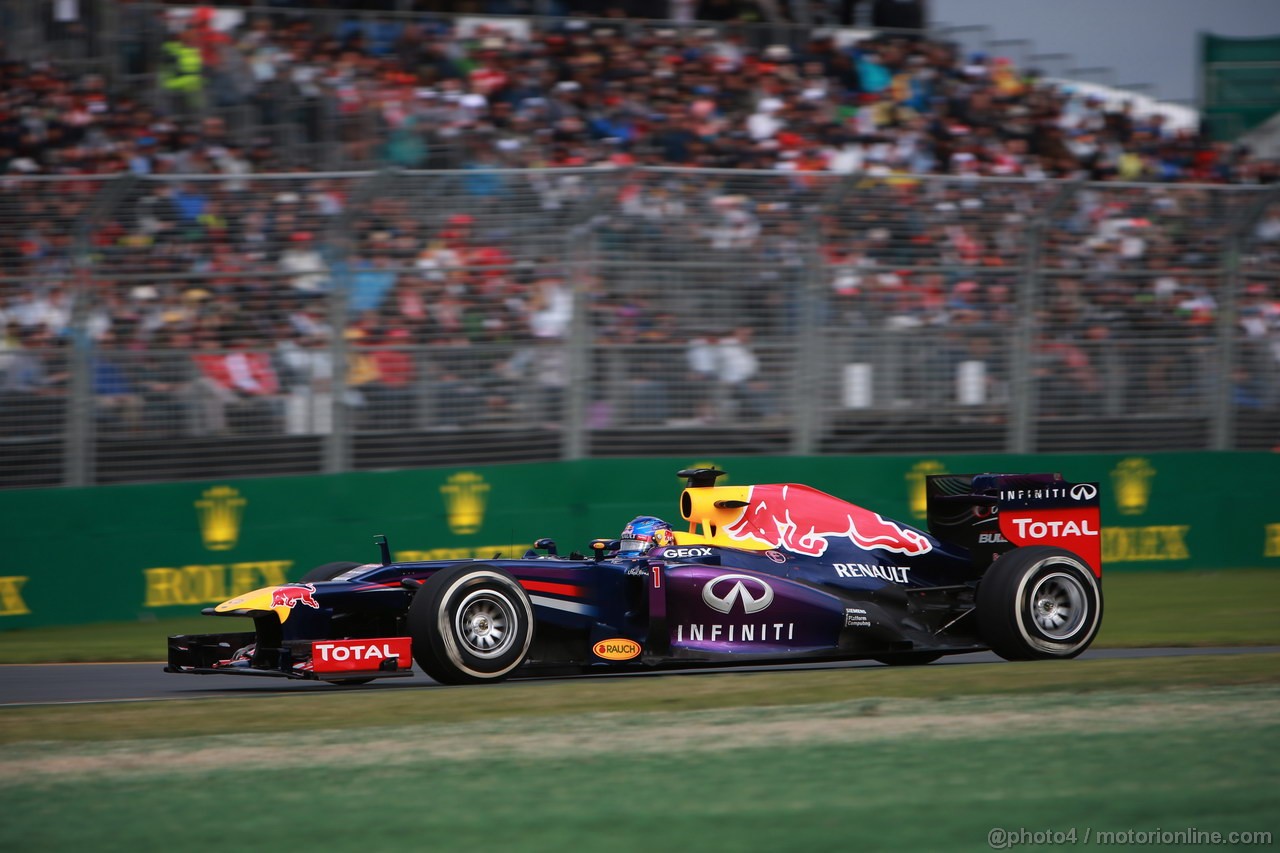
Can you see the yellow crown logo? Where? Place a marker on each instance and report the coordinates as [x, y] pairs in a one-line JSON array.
[[219, 511], [917, 498], [1131, 481], [464, 501]]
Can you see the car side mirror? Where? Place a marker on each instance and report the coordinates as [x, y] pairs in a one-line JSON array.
[[599, 546]]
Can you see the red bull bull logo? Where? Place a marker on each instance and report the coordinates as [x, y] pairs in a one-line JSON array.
[[294, 594], [804, 520]]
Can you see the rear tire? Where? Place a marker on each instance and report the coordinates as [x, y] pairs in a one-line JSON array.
[[327, 572], [470, 624], [1039, 602]]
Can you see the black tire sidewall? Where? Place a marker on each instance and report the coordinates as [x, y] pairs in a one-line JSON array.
[[432, 624]]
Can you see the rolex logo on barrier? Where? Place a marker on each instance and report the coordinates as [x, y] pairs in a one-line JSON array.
[[1131, 482], [219, 511], [464, 501], [917, 497]]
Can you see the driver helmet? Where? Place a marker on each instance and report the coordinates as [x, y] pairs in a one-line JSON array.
[[642, 533]]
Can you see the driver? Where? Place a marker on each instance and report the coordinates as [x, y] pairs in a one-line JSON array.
[[642, 533]]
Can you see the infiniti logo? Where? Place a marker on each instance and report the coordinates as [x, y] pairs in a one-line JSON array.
[[1084, 492], [754, 593]]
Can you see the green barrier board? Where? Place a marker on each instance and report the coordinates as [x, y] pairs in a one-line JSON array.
[[138, 551]]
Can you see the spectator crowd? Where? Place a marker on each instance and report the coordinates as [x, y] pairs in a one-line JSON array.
[[425, 91], [453, 284]]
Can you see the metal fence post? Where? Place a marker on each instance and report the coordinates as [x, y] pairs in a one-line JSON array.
[[807, 404], [1223, 416], [577, 359], [1023, 391], [1022, 387], [1222, 413], [79, 440], [337, 446], [581, 250], [337, 450], [77, 436], [806, 400]]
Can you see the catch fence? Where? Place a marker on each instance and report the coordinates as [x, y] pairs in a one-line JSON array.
[[206, 326]]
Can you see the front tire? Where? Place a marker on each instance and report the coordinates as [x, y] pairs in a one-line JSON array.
[[1039, 602], [470, 624]]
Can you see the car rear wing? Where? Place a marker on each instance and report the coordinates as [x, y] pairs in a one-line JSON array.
[[989, 514]]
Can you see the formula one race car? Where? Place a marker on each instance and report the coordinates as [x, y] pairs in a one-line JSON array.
[[764, 574]]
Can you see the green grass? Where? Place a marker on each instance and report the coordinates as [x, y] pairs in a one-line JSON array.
[[894, 775], [106, 641], [1224, 608], [928, 758], [1228, 608]]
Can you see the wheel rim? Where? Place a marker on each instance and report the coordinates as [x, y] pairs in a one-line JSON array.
[[1058, 605], [485, 624]]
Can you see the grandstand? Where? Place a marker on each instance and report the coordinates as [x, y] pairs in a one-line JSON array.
[[350, 242]]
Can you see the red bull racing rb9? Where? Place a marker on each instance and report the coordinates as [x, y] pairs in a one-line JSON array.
[[758, 574]]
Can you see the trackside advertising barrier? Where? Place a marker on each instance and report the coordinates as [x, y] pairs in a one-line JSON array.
[[147, 551]]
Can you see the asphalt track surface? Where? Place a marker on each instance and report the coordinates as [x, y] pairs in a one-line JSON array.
[[74, 683]]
